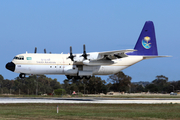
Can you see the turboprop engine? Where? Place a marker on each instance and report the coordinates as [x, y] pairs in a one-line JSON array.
[[84, 56], [91, 56]]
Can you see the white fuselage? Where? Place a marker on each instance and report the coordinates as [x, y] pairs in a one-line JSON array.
[[87, 64], [31, 63]]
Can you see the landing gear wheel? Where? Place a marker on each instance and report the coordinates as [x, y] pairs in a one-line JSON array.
[[80, 77], [22, 75], [76, 77], [87, 77], [69, 77]]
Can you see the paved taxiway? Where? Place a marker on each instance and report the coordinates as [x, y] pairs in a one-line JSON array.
[[92, 100]]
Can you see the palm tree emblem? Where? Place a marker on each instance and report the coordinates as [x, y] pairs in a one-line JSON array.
[[145, 42]]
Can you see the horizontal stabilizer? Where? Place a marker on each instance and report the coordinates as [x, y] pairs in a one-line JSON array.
[[150, 57]]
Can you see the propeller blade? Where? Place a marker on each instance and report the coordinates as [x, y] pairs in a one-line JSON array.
[[44, 50], [71, 55], [84, 48], [70, 50], [84, 52], [35, 50]]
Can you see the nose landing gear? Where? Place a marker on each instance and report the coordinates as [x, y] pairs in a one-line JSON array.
[[22, 75]]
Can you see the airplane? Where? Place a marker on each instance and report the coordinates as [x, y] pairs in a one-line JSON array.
[[78, 66]]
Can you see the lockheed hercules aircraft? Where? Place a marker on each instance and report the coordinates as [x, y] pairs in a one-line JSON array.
[[85, 65]]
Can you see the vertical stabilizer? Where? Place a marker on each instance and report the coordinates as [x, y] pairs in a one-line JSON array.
[[146, 44]]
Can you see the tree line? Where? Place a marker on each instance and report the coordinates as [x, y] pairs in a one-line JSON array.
[[119, 82]]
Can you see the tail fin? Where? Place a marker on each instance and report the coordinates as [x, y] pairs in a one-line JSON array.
[[146, 44]]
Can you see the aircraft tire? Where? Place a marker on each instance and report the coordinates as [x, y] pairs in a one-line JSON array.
[[69, 77], [76, 77], [22, 75], [87, 77]]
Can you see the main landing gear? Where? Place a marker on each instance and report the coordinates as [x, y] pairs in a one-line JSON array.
[[22, 75], [78, 77]]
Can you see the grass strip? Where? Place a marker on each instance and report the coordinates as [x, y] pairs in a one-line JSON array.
[[90, 111]]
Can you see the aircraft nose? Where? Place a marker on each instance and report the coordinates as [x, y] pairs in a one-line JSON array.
[[10, 66]]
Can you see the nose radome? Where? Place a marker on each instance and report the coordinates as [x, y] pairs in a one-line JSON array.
[[10, 66]]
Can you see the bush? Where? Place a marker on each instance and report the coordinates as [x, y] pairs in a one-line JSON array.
[[60, 92]]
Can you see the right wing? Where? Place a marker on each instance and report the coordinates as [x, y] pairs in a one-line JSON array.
[[109, 55]]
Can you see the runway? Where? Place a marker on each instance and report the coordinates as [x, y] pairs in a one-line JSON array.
[[5, 100]]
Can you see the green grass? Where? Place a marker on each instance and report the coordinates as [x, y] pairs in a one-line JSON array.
[[90, 111]]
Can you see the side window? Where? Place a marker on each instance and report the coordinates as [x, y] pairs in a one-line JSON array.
[[29, 58]]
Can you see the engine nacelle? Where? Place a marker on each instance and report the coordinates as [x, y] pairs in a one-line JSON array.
[[78, 58], [91, 56]]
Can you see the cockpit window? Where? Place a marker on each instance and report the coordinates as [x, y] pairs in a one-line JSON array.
[[15, 58], [19, 58]]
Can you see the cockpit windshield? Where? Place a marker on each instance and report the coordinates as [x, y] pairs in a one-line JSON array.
[[19, 58]]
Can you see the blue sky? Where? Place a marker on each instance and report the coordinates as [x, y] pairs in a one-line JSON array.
[[102, 25]]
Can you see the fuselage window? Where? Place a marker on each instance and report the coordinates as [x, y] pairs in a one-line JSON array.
[[50, 66], [29, 58]]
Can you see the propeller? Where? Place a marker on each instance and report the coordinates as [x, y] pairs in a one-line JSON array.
[[71, 55], [84, 52], [35, 50], [44, 50]]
